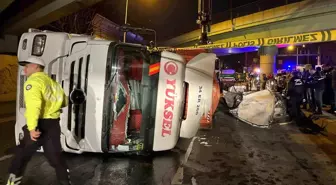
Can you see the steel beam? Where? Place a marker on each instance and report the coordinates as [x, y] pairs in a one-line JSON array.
[[4, 4], [48, 13]]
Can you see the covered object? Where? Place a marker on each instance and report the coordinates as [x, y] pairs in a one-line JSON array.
[[261, 108]]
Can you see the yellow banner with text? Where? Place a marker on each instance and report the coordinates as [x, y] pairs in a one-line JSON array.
[[312, 37]]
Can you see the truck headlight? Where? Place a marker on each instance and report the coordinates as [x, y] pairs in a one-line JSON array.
[[38, 45]]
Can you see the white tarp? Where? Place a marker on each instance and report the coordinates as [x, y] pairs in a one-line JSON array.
[[257, 108]]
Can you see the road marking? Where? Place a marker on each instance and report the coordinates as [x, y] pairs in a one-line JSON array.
[[5, 157], [7, 119], [178, 177], [189, 150], [193, 181]]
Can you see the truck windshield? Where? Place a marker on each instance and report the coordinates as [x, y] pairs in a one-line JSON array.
[[133, 93]]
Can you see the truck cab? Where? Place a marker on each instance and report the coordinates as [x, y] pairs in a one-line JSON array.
[[121, 96]]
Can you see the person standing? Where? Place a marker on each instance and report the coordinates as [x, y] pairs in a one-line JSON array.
[[318, 86], [44, 99], [295, 96], [263, 81], [333, 85]]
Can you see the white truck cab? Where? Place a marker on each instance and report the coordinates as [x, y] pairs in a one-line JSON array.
[[122, 98]]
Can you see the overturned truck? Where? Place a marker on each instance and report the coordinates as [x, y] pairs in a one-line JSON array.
[[122, 97]]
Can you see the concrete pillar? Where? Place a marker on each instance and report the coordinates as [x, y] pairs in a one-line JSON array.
[[318, 56], [268, 59]]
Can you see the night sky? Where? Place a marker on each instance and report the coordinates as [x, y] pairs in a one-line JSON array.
[[169, 18]]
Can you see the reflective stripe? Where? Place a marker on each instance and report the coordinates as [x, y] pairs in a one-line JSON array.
[[42, 89], [13, 180], [56, 97]]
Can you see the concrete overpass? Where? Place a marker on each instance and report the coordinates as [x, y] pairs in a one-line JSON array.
[[17, 16], [295, 18], [4, 4]]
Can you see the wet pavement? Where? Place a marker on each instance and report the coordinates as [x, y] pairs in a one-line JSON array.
[[232, 152], [236, 153], [91, 169], [97, 169]]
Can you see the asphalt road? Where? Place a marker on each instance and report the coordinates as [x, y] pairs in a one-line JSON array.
[[232, 152], [236, 153], [93, 169]]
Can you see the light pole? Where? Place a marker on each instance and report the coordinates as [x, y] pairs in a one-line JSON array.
[[126, 10], [297, 56]]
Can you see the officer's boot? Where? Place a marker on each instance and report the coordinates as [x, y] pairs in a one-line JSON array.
[[13, 180]]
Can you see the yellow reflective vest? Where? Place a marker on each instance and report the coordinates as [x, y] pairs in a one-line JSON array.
[[44, 99]]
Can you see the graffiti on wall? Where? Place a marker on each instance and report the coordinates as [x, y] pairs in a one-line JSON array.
[[8, 77]]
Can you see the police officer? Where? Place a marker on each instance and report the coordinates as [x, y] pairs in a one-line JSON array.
[[318, 86], [44, 99], [295, 94]]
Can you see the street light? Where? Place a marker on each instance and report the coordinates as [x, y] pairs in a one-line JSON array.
[[290, 48]]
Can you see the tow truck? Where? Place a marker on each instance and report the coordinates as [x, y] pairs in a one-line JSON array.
[[122, 97]]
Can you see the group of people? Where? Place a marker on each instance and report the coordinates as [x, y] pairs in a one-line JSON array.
[[310, 89]]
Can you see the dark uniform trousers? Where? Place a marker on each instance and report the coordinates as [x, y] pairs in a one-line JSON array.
[[50, 140], [295, 111]]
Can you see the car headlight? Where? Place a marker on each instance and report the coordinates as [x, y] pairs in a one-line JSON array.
[[38, 45]]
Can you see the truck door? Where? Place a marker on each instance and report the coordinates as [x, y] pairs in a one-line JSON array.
[[75, 86]]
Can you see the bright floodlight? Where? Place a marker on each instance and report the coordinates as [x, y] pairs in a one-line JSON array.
[[290, 48]]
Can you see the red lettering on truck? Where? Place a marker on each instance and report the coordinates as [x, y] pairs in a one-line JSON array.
[[168, 113]]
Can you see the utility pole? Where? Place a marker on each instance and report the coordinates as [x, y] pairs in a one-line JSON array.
[[319, 55], [126, 10], [204, 19]]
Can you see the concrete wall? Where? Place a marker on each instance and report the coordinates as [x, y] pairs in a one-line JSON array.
[[9, 44], [8, 78]]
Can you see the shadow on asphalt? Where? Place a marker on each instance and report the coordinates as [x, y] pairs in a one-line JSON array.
[[307, 126]]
